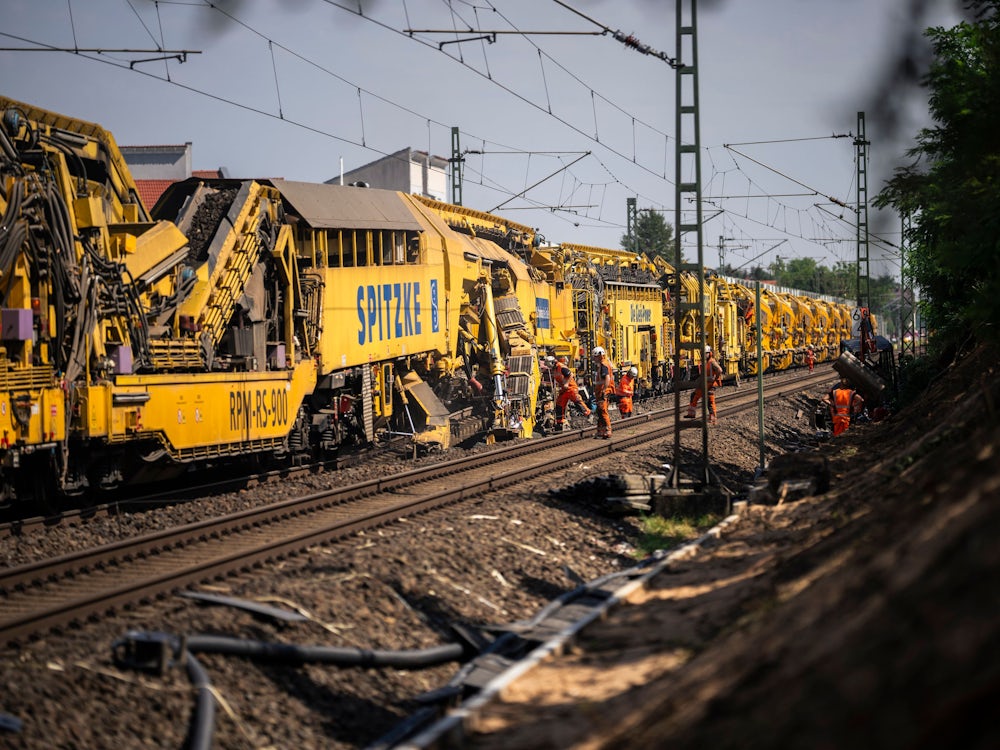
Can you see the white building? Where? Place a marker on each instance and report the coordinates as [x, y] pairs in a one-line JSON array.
[[408, 171], [155, 168]]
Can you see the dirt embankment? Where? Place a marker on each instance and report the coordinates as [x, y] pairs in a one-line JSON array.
[[868, 616]]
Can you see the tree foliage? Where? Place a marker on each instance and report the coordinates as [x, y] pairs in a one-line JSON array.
[[952, 190], [806, 275], [653, 234]]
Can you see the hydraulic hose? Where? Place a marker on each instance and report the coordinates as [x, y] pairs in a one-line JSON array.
[[13, 230], [8, 148]]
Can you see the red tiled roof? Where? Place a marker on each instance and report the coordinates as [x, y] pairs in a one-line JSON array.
[[151, 190]]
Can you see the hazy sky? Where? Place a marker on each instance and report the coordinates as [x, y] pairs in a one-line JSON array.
[[288, 88]]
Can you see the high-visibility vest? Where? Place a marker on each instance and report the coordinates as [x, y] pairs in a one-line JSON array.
[[610, 387], [564, 378], [714, 373], [842, 400], [626, 386]]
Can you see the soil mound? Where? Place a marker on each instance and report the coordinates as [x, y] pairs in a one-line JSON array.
[[866, 616]]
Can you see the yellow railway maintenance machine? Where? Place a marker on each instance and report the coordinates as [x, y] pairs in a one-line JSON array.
[[131, 345]]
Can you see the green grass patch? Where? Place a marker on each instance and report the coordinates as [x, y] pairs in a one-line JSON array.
[[667, 533]]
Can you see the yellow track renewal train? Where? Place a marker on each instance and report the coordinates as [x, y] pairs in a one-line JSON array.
[[283, 320]]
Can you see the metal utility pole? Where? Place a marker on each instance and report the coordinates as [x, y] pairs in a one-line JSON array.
[[689, 225], [907, 306], [861, 153], [723, 248], [865, 334], [762, 465], [632, 226], [456, 168]]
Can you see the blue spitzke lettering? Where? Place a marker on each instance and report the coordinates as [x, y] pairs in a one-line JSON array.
[[392, 311]]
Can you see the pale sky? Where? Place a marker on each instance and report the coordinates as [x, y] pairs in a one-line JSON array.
[[289, 88]]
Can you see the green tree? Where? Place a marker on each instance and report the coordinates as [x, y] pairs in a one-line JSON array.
[[802, 273], [655, 236], [809, 276], [952, 190]]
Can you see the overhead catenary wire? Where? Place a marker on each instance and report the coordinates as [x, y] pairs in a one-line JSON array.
[[768, 224], [159, 23], [362, 93], [138, 17], [525, 99], [628, 40], [277, 86], [72, 24], [885, 244], [782, 174], [544, 179], [771, 222], [792, 140], [363, 143], [360, 13]]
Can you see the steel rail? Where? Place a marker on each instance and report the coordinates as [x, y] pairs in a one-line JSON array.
[[71, 588]]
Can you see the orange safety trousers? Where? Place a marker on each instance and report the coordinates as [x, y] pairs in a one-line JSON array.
[[603, 418], [565, 396], [697, 397], [625, 390]]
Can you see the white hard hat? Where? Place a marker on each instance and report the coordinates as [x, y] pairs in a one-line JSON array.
[[550, 358], [598, 351], [708, 350], [633, 372]]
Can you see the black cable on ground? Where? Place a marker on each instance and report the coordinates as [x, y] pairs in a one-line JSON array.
[[203, 723], [344, 657], [155, 652]]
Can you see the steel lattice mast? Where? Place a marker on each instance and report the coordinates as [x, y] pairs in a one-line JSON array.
[[689, 229]]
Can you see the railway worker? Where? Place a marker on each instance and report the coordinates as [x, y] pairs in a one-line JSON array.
[[845, 405], [547, 365], [604, 388], [810, 358], [714, 370], [625, 390], [567, 391]]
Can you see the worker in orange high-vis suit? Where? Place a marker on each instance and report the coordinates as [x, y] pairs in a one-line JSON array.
[[714, 381], [567, 390], [845, 404], [604, 388], [810, 358], [625, 391]]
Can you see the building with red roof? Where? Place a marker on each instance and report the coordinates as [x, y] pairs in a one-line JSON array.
[[155, 168]]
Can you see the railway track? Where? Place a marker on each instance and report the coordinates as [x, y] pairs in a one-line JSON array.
[[58, 592], [135, 499]]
